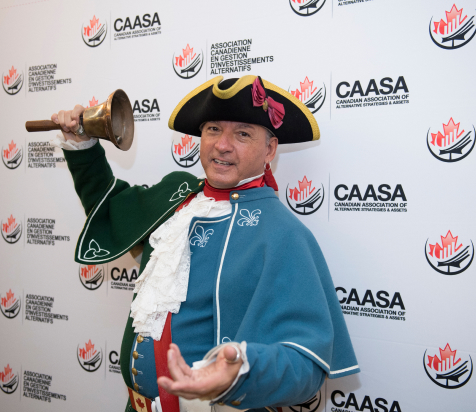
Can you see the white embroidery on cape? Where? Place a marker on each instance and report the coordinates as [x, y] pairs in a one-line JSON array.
[[181, 192], [94, 251], [201, 237], [249, 219]]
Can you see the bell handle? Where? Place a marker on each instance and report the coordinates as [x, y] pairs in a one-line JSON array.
[[41, 126]]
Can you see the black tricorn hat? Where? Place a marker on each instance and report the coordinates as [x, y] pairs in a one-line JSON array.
[[232, 100]]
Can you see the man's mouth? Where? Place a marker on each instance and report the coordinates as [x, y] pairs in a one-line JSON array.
[[221, 162]]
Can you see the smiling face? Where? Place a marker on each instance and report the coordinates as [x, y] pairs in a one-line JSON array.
[[232, 151]]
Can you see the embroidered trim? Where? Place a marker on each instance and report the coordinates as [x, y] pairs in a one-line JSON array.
[[202, 236], [320, 360], [95, 251], [180, 193], [249, 219]]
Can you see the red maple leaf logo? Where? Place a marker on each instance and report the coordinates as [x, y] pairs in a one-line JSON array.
[[446, 361], [449, 135], [10, 225], [9, 300], [88, 271], [88, 350], [7, 374], [185, 147], [304, 190], [92, 102], [11, 77], [447, 247], [93, 22], [306, 90], [11, 151], [453, 20], [187, 52], [186, 57]]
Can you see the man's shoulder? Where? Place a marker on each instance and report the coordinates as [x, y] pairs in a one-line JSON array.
[[284, 218]]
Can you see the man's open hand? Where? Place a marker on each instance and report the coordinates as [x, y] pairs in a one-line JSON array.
[[205, 383]]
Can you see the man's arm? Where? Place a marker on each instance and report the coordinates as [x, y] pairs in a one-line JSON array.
[[278, 376], [89, 168]]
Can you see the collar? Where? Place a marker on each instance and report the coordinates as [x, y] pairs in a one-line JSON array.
[[224, 194]]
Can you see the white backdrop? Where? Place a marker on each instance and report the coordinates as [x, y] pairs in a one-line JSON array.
[[402, 266]]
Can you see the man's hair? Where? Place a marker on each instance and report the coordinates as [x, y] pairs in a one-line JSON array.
[[269, 135]]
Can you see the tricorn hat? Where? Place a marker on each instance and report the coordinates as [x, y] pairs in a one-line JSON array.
[[248, 99]]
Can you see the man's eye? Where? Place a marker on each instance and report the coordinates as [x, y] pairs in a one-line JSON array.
[[213, 128], [244, 134]]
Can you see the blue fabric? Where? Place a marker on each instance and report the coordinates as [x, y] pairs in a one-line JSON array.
[[273, 291], [192, 327]]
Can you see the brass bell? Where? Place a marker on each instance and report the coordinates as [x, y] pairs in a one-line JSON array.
[[112, 120]]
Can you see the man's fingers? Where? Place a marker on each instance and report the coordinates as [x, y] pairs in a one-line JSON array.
[[174, 368], [77, 111], [230, 353], [186, 388], [54, 118], [61, 118]]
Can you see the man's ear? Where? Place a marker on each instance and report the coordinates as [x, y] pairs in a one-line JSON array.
[[272, 146]]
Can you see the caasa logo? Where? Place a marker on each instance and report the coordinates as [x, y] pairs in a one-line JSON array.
[[311, 96], [11, 231], [304, 196], [339, 399], [187, 64], [95, 33], [448, 369], [89, 358], [449, 258], [451, 145], [91, 276], [10, 305], [12, 156], [186, 150], [306, 7], [9, 380], [12, 82], [309, 406], [453, 33]]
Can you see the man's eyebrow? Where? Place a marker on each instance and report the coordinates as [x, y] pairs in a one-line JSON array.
[[246, 125]]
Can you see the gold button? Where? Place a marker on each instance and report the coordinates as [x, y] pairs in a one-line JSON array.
[[235, 403], [140, 339], [134, 371], [135, 354], [136, 387], [235, 196], [221, 403], [201, 183]]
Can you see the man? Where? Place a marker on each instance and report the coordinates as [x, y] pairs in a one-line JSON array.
[[217, 255]]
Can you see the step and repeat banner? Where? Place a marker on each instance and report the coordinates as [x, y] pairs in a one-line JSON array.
[[387, 191]]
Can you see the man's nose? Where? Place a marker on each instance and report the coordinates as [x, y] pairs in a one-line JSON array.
[[224, 142]]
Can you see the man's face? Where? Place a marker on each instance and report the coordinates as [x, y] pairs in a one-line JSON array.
[[232, 151]]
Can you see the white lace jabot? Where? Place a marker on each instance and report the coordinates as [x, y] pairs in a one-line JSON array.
[[163, 284]]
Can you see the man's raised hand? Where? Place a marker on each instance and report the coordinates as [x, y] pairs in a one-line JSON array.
[[69, 122]]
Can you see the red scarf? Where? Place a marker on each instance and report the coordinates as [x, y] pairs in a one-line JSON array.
[[224, 194]]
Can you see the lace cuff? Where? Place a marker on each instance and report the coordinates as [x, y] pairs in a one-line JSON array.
[[62, 143]]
